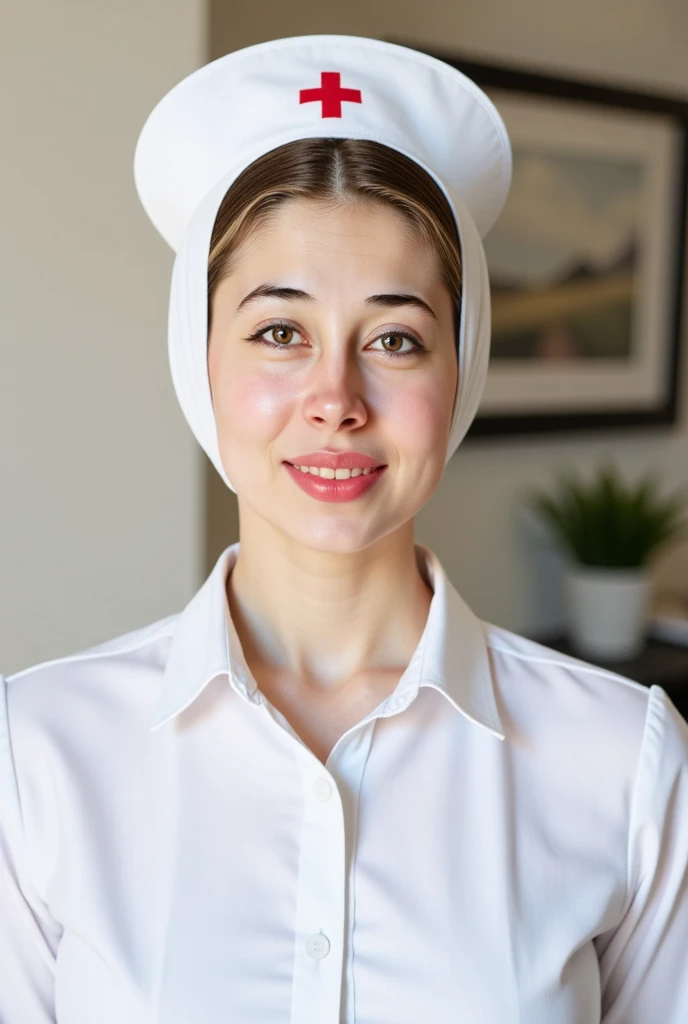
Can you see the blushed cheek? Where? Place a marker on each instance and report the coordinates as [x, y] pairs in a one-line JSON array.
[[418, 417], [253, 408]]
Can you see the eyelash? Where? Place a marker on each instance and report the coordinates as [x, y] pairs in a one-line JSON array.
[[258, 339]]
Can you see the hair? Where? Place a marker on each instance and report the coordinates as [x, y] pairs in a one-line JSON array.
[[335, 171]]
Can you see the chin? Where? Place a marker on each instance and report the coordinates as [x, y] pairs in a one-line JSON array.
[[336, 536]]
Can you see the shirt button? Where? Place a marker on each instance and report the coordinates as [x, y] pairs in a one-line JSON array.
[[322, 790], [318, 946]]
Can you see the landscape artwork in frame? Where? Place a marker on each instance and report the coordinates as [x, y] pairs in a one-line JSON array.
[[586, 258]]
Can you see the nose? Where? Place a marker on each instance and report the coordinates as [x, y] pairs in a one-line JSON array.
[[334, 397]]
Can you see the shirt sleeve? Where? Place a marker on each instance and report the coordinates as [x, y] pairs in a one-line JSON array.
[[644, 959], [28, 933]]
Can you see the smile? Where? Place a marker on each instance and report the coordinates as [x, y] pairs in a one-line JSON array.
[[334, 474], [334, 485]]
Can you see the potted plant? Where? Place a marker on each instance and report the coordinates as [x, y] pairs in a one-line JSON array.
[[608, 532]]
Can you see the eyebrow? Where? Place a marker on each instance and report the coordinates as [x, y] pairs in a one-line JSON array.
[[275, 292], [393, 299], [385, 299]]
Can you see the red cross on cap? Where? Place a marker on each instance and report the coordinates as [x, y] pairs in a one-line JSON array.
[[330, 94]]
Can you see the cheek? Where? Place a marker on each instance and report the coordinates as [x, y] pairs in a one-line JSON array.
[[251, 404], [418, 415]]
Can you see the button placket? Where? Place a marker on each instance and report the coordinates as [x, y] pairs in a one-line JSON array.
[[318, 945], [320, 919]]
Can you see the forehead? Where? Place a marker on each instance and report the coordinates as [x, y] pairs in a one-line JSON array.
[[325, 239]]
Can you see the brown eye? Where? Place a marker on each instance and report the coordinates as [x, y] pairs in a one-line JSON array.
[[396, 339], [282, 335]]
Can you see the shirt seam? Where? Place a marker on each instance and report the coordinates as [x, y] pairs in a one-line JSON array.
[[651, 729], [26, 882], [579, 666], [6, 748], [90, 655]]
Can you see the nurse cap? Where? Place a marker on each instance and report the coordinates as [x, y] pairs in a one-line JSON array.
[[222, 117]]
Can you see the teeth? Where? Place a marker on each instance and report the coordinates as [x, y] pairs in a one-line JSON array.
[[334, 474]]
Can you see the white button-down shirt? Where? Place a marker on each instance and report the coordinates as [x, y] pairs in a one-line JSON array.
[[502, 840]]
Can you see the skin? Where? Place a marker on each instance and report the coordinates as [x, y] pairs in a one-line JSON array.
[[327, 599]]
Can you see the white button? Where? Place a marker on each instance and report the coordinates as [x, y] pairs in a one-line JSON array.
[[318, 946], [322, 790]]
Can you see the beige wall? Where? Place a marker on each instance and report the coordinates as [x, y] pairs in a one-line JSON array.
[[100, 503], [498, 564]]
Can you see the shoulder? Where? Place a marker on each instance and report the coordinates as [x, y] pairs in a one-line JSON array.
[[526, 662], [63, 688], [78, 709], [67, 724], [600, 764], [125, 643], [568, 702]]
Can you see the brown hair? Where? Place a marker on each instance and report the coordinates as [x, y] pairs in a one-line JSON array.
[[335, 170]]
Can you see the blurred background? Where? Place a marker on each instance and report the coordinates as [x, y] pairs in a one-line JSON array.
[[111, 517]]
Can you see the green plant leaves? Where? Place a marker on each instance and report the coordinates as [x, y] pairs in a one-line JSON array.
[[607, 523]]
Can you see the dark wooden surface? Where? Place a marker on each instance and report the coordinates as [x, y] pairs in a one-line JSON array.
[[659, 662]]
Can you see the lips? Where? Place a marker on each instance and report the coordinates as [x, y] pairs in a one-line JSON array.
[[335, 490], [336, 460]]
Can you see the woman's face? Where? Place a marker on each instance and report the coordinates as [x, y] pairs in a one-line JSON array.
[[302, 359]]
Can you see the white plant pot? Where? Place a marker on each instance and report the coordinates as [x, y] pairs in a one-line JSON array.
[[608, 610]]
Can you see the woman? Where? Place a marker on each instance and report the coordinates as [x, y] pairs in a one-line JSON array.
[[326, 792]]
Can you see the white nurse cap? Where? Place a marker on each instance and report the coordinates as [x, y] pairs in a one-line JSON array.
[[221, 118]]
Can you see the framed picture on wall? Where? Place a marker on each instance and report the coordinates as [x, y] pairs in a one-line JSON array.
[[586, 260]]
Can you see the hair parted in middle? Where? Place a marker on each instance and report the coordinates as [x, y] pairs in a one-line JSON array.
[[337, 171]]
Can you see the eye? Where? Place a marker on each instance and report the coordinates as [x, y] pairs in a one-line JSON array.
[[394, 340], [281, 334], [277, 335]]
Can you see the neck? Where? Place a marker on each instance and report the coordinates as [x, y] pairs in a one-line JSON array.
[[324, 618]]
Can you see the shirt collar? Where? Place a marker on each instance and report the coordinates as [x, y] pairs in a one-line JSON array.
[[451, 655]]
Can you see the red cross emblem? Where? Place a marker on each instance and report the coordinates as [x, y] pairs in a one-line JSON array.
[[330, 94]]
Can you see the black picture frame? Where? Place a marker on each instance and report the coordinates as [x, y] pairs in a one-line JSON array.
[[568, 94]]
